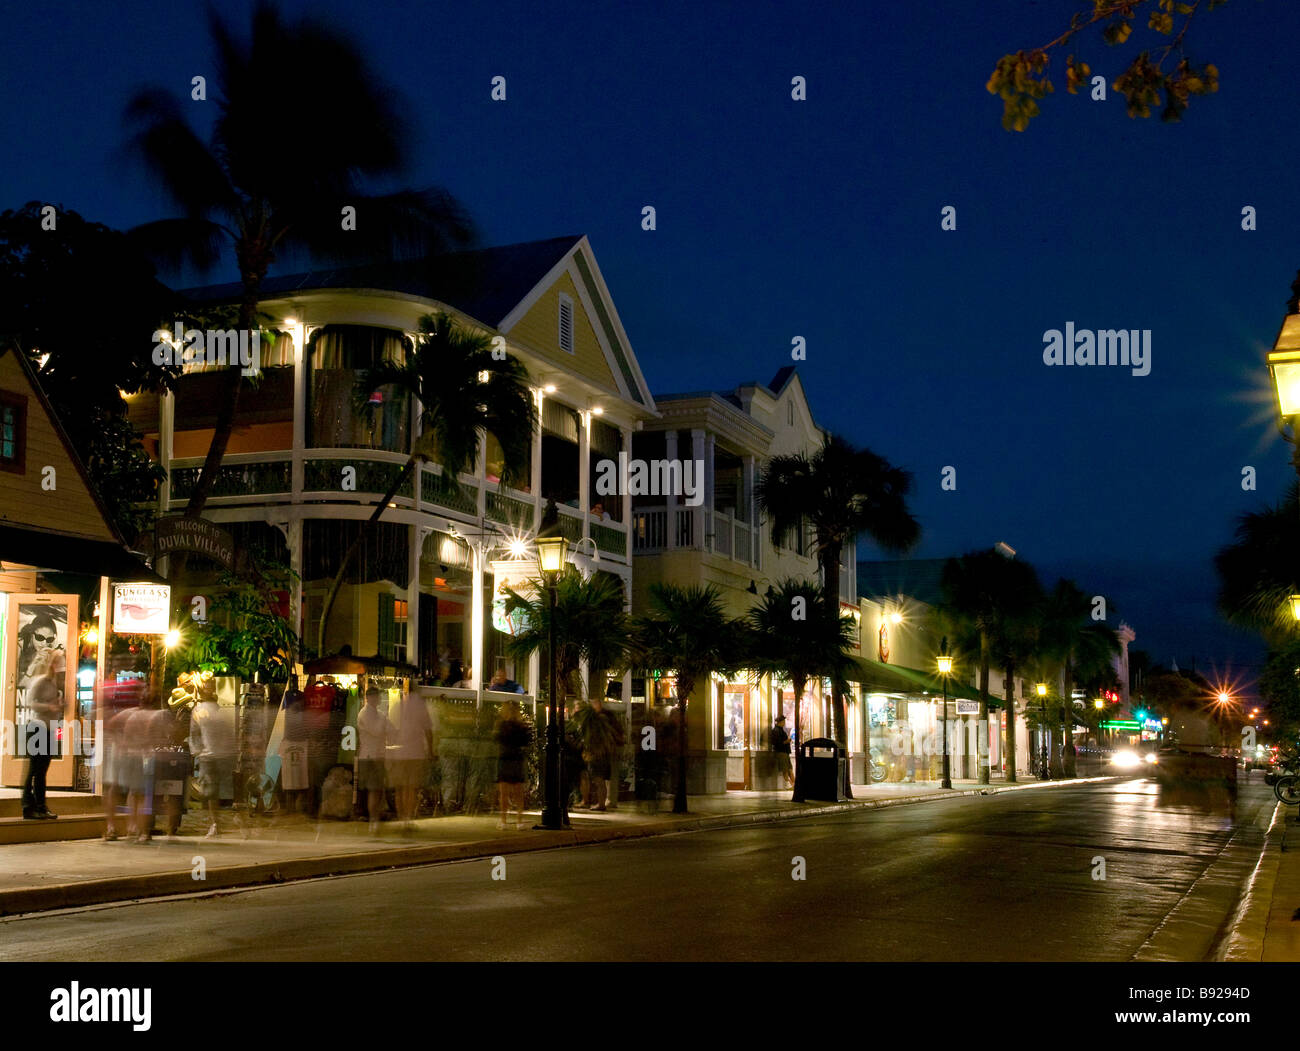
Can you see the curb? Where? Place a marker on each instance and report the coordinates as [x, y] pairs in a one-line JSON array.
[[123, 889], [1250, 922]]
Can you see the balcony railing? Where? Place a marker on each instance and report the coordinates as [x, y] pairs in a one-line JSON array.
[[610, 538], [372, 476], [435, 489], [509, 510], [723, 534], [262, 475]]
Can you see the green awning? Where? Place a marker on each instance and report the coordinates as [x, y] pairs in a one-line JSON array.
[[895, 678]]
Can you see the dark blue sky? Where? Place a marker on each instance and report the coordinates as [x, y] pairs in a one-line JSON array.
[[821, 219]]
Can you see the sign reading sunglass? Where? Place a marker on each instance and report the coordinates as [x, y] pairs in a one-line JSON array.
[[142, 609]]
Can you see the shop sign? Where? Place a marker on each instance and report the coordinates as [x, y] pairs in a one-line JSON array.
[[183, 533], [967, 707], [142, 609], [516, 575]]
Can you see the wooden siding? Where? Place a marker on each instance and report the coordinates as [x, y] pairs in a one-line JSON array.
[[69, 507], [539, 331]]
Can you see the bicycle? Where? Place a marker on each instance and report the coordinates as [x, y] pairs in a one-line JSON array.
[[1287, 789]]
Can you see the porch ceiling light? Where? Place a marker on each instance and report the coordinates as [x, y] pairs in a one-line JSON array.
[[549, 388], [598, 411]]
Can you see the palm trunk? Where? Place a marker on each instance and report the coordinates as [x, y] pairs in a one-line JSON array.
[[685, 684], [367, 528], [1068, 763], [1010, 701], [831, 573], [982, 745], [225, 424]]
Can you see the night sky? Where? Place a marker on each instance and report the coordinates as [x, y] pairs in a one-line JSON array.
[[821, 219]]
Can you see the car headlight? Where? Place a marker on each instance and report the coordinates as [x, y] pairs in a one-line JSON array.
[[1127, 760]]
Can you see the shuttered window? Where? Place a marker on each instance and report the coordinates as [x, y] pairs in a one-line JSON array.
[[13, 431]]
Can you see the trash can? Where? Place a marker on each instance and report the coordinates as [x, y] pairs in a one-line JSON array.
[[821, 771]]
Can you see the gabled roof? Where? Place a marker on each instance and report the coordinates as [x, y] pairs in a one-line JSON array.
[[41, 544], [486, 283]]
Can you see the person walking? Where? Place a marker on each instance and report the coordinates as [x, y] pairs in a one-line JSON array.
[[373, 732], [602, 739], [411, 757], [214, 748], [513, 737], [778, 742]]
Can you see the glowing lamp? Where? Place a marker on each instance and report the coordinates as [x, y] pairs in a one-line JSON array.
[[1042, 689], [945, 665], [172, 639], [1284, 367], [1295, 606], [550, 553]]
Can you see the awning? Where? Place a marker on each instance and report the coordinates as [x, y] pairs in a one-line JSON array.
[[59, 553], [895, 678]]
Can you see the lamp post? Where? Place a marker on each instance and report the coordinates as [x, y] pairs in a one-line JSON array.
[[551, 547], [1042, 730], [1284, 371], [945, 669]]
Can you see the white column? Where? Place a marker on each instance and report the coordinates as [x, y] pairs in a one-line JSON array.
[[747, 499], [702, 452], [299, 410], [476, 624], [584, 473], [670, 501], [166, 426], [626, 435], [536, 473], [417, 534], [295, 585]]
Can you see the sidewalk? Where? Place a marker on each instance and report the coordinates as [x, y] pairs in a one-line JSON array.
[[38, 877], [1266, 930]]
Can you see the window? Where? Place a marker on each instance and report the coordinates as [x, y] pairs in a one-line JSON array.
[[13, 432], [566, 323]]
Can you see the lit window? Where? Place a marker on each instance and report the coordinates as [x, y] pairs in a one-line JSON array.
[[566, 323], [13, 431]]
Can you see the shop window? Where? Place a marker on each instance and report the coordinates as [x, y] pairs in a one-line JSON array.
[[13, 432], [392, 627]]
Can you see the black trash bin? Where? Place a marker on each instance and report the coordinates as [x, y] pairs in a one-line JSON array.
[[821, 771]]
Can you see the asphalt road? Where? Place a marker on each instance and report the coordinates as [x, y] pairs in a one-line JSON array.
[[1002, 877]]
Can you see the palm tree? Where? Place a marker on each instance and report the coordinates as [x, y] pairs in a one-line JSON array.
[[985, 597], [1078, 647], [464, 389], [844, 492], [1260, 570], [237, 189], [590, 625], [687, 631], [795, 633]]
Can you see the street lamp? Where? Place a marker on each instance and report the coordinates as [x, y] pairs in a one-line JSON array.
[[551, 547], [1284, 370], [1042, 729], [945, 669], [1295, 606]]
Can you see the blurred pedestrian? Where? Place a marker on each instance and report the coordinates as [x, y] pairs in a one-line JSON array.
[[373, 732], [513, 737], [410, 768], [778, 742], [213, 745]]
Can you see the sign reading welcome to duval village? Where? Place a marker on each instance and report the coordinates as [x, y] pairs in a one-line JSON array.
[[141, 609], [182, 533]]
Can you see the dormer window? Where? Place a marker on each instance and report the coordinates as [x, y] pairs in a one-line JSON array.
[[566, 323]]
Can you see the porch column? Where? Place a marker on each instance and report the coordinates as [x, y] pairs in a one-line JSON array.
[[702, 452], [747, 501], [418, 533], [625, 434], [670, 501], [584, 473], [536, 472], [476, 623]]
